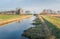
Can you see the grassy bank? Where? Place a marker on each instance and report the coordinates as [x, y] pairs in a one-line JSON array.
[[54, 25], [53, 20], [8, 17], [5, 19], [36, 32]]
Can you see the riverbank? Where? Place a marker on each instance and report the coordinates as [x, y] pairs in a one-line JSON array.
[[53, 24], [14, 19], [15, 29], [39, 31], [36, 32], [46, 29]]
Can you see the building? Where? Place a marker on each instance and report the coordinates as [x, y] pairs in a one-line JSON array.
[[8, 12], [28, 12], [48, 11], [18, 11], [44, 12]]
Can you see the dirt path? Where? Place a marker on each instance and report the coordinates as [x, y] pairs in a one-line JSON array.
[[46, 29]]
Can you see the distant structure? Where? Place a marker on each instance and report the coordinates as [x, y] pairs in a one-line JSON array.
[[20, 11], [27, 12], [58, 12], [44, 12], [17, 11], [48, 11]]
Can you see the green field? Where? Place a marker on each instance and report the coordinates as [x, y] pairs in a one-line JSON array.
[[6, 17], [53, 20], [54, 25]]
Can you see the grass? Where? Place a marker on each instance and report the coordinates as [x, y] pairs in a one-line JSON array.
[[36, 32], [5, 17], [53, 20], [10, 17], [53, 24]]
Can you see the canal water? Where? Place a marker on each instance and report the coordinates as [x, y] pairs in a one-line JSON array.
[[14, 30]]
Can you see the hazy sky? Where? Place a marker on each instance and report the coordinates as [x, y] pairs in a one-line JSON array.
[[35, 5]]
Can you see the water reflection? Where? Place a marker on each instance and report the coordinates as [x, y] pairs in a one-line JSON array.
[[15, 29]]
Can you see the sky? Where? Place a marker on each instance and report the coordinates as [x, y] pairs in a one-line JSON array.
[[32, 5]]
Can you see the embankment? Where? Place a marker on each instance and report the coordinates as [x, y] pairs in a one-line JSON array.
[[35, 32], [15, 19]]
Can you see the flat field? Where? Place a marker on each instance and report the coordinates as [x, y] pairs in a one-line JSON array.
[[7, 17]]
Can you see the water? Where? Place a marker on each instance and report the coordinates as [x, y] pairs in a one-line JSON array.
[[15, 29]]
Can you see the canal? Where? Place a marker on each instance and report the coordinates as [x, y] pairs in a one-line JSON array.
[[14, 30]]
